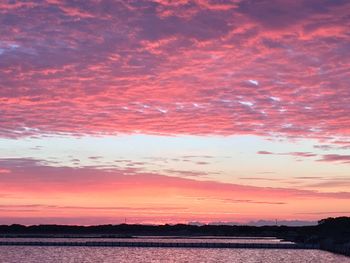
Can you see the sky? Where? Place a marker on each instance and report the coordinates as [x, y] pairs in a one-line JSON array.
[[160, 111]]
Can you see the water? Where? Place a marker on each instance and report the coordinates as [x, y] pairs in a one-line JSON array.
[[35, 254], [17, 254]]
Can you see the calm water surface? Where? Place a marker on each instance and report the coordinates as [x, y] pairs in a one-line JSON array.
[[15, 254], [35, 254]]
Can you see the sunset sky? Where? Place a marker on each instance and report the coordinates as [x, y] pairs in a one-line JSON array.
[[160, 111]]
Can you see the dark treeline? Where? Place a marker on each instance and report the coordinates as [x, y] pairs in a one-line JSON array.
[[335, 230]]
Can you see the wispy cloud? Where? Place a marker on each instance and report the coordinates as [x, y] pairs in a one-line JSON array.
[[335, 158], [35, 176]]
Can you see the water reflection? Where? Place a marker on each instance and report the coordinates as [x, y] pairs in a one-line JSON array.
[[17, 254]]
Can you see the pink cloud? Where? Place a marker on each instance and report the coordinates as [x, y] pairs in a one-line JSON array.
[[302, 154], [4, 171], [296, 154], [335, 158], [264, 152], [195, 67]]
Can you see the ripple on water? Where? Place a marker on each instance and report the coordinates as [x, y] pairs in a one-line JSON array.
[[15, 254]]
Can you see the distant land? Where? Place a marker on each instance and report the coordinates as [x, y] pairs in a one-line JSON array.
[[336, 230], [262, 223]]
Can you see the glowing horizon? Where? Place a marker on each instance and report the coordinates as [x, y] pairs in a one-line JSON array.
[[160, 111]]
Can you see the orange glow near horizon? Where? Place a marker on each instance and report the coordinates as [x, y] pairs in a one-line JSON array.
[[112, 196]]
